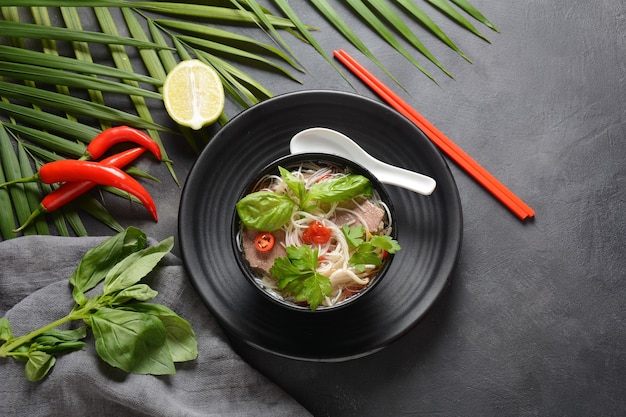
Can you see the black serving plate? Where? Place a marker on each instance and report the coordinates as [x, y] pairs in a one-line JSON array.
[[429, 228]]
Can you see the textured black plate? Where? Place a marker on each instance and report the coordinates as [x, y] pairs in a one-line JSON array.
[[428, 228]]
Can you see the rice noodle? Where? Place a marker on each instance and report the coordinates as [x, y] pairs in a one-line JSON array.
[[335, 254]]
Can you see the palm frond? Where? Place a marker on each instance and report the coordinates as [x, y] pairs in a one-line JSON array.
[[455, 15], [33, 31], [54, 92], [349, 34]]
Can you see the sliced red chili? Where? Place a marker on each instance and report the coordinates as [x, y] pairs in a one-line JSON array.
[[316, 233], [264, 242], [112, 136], [72, 190]]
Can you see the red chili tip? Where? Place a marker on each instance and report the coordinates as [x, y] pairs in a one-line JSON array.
[[153, 212]]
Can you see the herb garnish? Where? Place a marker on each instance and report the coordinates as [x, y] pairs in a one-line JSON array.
[[269, 211], [297, 274], [366, 251], [130, 334]]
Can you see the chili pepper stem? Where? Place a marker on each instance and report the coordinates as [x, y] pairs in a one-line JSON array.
[[41, 209], [20, 180]]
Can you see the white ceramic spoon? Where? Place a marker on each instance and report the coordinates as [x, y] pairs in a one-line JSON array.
[[323, 140]]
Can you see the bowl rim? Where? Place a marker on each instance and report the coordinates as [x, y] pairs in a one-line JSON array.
[[290, 161]]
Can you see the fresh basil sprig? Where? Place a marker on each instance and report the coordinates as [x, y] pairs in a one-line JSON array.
[[268, 211], [130, 334]]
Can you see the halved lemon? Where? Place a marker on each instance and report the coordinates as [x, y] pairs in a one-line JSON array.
[[193, 94]]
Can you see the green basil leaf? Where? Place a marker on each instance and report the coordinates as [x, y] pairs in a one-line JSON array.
[[21, 352], [96, 263], [180, 339], [265, 210], [339, 189], [135, 267], [5, 329], [132, 341], [295, 184], [38, 365], [62, 347], [139, 292], [55, 336]]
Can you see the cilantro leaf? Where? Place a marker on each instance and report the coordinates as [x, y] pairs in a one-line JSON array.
[[313, 290], [284, 271], [353, 234], [365, 255], [297, 275], [386, 243]]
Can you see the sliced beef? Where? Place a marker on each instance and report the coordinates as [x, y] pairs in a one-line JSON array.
[[263, 260], [371, 214]]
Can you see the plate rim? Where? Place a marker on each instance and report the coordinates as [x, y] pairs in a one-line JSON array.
[[433, 294]]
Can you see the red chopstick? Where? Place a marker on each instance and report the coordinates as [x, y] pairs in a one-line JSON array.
[[453, 151]]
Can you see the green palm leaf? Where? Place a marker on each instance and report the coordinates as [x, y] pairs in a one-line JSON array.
[[43, 75], [396, 21], [264, 23], [75, 105], [25, 56], [213, 13], [472, 11], [28, 30], [305, 32], [348, 33], [123, 61], [454, 14], [388, 36], [50, 100], [425, 20], [218, 35]]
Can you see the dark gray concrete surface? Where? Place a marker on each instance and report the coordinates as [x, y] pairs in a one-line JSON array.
[[533, 323]]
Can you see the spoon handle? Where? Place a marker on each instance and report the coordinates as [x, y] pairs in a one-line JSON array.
[[393, 175]]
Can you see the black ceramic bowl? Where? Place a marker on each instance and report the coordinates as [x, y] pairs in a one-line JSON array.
[[292, 162]]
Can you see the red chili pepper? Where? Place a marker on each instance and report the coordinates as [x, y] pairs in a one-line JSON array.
[[71, 170], [77, 171], [316, 233], [72, 190], [109, 137], [264, 242]]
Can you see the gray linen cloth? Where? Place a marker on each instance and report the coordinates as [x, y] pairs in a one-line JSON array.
[[34, 291]]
